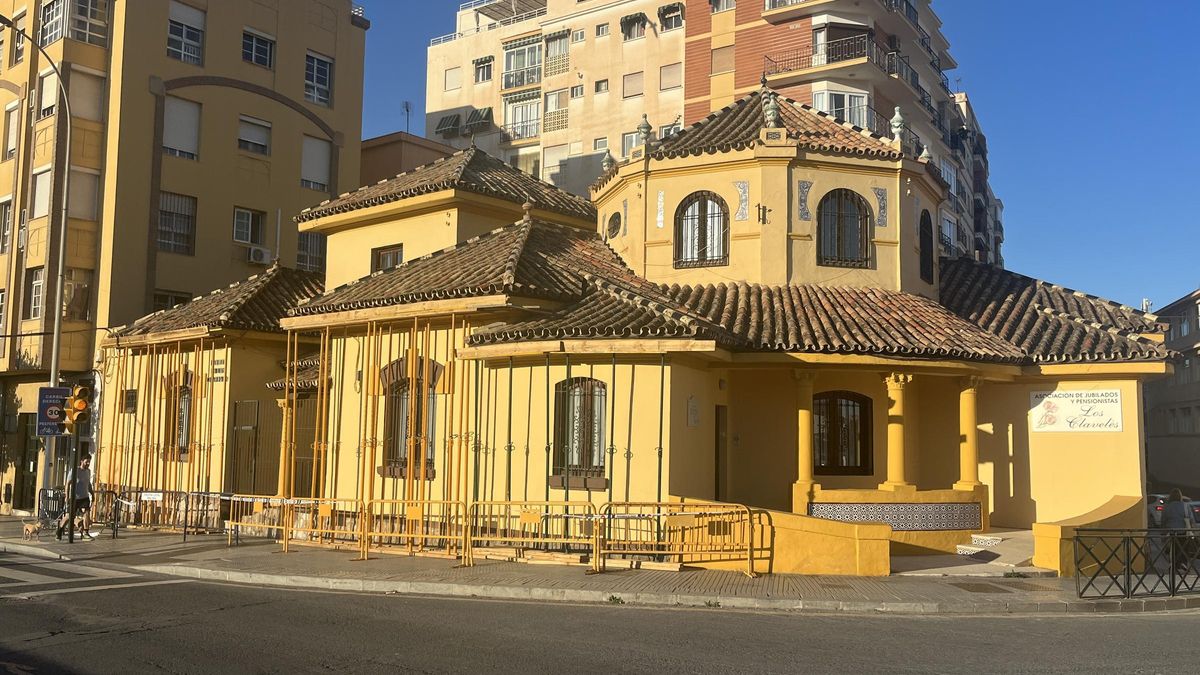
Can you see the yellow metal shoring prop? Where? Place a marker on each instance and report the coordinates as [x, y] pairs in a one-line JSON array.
[[373, 381], [362, 379], [460, 489], [293, 402], [224, 456], [206, 486], [426, 393], [410, 417], [448, 410], [111, 477]]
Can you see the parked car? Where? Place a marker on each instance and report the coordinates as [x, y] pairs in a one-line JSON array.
[[1155, 503]]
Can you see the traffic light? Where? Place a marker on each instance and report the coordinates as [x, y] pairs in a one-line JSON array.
[[75, 410]]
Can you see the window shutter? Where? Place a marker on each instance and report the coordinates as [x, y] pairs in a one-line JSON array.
[[187, 15], [87, 96], [315, 161], [41, 194], [85, 188], [49, 90], [181, 127], [254, 131], [670, 76], [633, 85]]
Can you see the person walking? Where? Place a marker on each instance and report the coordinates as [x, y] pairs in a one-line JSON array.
[[1176, 517], [83, 498]]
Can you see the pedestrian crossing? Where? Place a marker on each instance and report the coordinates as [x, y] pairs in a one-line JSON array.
[[20, 572]]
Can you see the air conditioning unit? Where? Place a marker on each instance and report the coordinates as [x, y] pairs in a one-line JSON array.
[[257, 255]]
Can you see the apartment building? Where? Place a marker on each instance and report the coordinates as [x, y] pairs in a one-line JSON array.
[[553, 85], [1173, 404], [198, 129]]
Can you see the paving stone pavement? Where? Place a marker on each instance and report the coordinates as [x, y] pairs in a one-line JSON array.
[[262, 562]]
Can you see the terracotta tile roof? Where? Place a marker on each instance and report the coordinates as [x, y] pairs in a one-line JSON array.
[[530, 258], [308, 372], [470, 170], [1048, 322], [751, 317], [625, 308], [256, 303], [738, 125]]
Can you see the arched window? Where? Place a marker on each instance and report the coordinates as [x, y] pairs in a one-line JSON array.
[[614, 225], [842, 434], [179, 414], [926, 244], [410, 415], [579, 405], [702, 231], [844, 230]]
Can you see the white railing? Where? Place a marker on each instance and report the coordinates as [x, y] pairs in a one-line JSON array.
[[451, 37]]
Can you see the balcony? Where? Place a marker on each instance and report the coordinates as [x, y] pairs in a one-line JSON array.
[[524, 77], [777, 10], [520, 131], [866, 117], [849, 53], [518, 18]]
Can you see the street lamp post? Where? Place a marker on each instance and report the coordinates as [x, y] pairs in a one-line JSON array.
[[60, 280]]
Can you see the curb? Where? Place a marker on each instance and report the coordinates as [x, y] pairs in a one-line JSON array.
[[533, 593], [30, 550]]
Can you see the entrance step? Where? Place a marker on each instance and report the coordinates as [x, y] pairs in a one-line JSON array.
[[986, 540]]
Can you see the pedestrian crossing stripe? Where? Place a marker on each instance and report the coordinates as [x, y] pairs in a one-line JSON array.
[[51, 572]]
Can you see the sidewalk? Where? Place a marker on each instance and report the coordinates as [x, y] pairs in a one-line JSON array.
[[207, 557]]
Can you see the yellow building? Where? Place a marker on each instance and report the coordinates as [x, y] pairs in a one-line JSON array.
[[750, 323], [198, 129]]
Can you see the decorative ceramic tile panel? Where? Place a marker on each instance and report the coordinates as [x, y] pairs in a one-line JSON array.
[[660, 209], [743, 211], [881, 197], [904, 517], [802, 189], [625, 216]]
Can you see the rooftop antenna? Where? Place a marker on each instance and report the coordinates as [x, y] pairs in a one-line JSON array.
[[958, 85], [1147, 305], [407, 108]]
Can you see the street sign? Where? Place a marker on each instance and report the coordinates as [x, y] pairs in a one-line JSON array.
[[50, 412]]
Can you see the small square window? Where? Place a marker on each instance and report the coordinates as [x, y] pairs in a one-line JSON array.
[[483, 72], [258, 49], [129, 401], [629, 141], [577, 91], [634, 29], [387, 257], [248, 226], [601, 86], [672, 19], [578, 36], [600, 143], [601, 30]]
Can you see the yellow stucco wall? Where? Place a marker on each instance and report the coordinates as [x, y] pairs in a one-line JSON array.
[[1044, 477]]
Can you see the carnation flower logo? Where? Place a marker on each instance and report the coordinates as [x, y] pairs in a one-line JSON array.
[[1048, 418]]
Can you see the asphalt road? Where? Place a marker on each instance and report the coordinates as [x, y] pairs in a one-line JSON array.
[[143, 623]]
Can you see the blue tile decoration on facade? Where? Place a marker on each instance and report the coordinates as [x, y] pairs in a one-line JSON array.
[[743, 211], [881, 197], [904, 517], [802, 189]]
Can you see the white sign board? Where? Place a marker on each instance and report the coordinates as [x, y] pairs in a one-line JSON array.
[[152, 496], [1078, 410]]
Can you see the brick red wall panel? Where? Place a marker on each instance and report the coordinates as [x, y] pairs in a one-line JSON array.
[[755, 43], [697, 16]]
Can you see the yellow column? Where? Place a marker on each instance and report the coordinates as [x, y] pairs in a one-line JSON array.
[[968, 435], [805, 486], [896, 383], [284, 442]]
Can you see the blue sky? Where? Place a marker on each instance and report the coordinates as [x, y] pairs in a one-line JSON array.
[[1091, 108]]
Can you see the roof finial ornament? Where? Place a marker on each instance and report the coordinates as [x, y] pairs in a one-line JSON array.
[[528, 208], [645, 130], [897, 124], [608, 162], [926, 155], [771, 110], [762, 81]]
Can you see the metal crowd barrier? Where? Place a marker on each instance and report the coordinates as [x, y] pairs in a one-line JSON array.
[[1136, 563], [204, 513], [553, 526], [323, 521], [417, 525], [687, 532], [255, 516], [51, 504]]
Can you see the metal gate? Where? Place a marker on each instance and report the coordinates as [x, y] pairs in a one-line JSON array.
[[253, 465]]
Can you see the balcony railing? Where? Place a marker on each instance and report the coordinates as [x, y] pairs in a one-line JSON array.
[[780, 4], [451, 37], [518, 131], [845, 49], [947, 242], [866, 117], [523, 77], [908, 10]]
